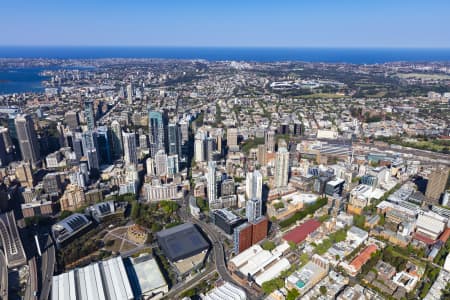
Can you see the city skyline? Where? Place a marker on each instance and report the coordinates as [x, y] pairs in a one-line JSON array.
[[384, 24]]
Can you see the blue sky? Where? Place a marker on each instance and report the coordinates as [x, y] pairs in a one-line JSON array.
[[296, 23]]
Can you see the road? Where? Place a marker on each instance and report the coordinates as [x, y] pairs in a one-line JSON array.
[[217, 245], [33, 283], [48, 261], [4, 277]]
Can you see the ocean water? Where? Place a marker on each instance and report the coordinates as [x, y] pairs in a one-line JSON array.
[[346, 55], [29, 80], [20, 80]]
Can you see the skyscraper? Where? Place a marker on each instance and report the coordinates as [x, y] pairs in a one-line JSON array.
[[27, 138], [103, 145], [269, 140], [199, 151], [156, 131], [130, 94], [172, 165], [253, 185], [150, 164], [436, 183], [89, 114], [116, 139], [281, 168], [89, 142], [253, 210], [174, 137], [161, 163], [129, 148], [211, 184]]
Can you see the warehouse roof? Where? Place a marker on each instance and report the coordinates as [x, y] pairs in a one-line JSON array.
[[299, 233], [181, 241]]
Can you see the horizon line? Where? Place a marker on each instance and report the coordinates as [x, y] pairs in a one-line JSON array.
[[235, 46]]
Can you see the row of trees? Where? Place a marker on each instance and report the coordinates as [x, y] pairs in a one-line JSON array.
[[309, 209]]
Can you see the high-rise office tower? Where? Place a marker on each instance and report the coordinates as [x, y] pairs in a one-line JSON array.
[[129, 148], [199, 151], [211, 184], [150, 165], [232, 137], [77, 145], [27, 138], [103, 145], [116, 139], [253, 210], [89, 142], [184, 128], [172, 164], [130, 94], [436, 183], [161, 163], [89, 114], [174, 139], [281, 167], [269, 140], [209, 147], [253, 185], [72, 120], [156, 131], [4, 159]]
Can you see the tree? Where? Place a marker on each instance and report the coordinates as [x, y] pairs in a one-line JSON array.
[[323, 290], [292, 294], [268, 245]]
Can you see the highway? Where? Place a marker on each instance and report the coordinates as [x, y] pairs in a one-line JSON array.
[[48, 261], [32, 284], [4, 277]]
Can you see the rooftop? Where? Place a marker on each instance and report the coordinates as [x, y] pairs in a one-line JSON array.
[[181, 241]]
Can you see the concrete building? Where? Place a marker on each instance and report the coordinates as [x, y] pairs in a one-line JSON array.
[[232, 137], [211, 184], [253, 209], [129, 148], [28, 142], [281, 168], [253, 185], [436, 183], [269, 141], [309, 275], [161, 163]]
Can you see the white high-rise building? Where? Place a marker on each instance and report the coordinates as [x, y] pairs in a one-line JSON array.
[[129, 148], [211, 183], [253, 185], [281, 168], [253, 210], [130, 93], [199, 149], [161, 163], [150, 164]]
